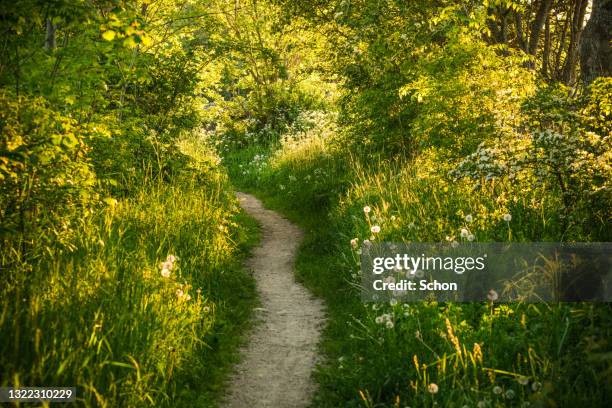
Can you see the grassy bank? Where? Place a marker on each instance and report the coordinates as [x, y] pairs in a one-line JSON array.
[[425, 354], [144, 300]]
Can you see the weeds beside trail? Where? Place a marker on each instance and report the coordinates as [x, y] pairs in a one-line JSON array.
[[389, 354], [144, 301]]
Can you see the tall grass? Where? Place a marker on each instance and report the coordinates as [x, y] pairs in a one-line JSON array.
[[96, 312], [427, 354]]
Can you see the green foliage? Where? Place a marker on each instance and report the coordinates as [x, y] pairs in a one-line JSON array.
[[558, 154], [440, 130], [102, 179], [431, 114], [44, 172], [104, 318]]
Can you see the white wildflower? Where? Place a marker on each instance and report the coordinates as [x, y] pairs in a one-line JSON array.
[[492, 295]]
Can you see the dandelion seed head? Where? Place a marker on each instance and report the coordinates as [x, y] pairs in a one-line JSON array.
[[375, 229], [507, 217], [165, 273], [389, 279], [469, 218], [497, 390], [492, 295], [433, 388], [367, 209], [470, 237], [464, 232]]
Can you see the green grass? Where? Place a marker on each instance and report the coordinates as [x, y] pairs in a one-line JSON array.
[[91, 307], [477, 354], [236, 295]]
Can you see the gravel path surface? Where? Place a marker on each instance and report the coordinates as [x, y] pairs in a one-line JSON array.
[[277, 363]]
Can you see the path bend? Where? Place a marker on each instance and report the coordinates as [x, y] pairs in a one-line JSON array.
[[276, 366]]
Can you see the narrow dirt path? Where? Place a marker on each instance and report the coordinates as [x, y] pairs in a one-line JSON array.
[[277, 362]]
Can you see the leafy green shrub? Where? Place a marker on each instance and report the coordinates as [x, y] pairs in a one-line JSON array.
[[46, 176]]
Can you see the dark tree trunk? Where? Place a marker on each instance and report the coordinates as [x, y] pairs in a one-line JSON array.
[[518, 21], [561, 46], [595, 51], [50, 36], [569, 68], [546, 56], [536, 26]]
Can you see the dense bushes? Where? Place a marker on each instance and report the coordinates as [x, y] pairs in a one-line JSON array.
[[119, 232]]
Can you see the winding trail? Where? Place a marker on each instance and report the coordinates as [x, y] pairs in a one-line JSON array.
[[276, 365]]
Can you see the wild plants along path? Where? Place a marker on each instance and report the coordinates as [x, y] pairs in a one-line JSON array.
[[282, 350]]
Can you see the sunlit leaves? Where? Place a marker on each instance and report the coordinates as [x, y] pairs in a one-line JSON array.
[[109, 35]]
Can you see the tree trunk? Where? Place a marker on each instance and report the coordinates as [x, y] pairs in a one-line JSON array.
[[536, 26], [518, 21], [595, 50], [546, 56], [50, 37], [556, 74], [569, 68], [504, 28]]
